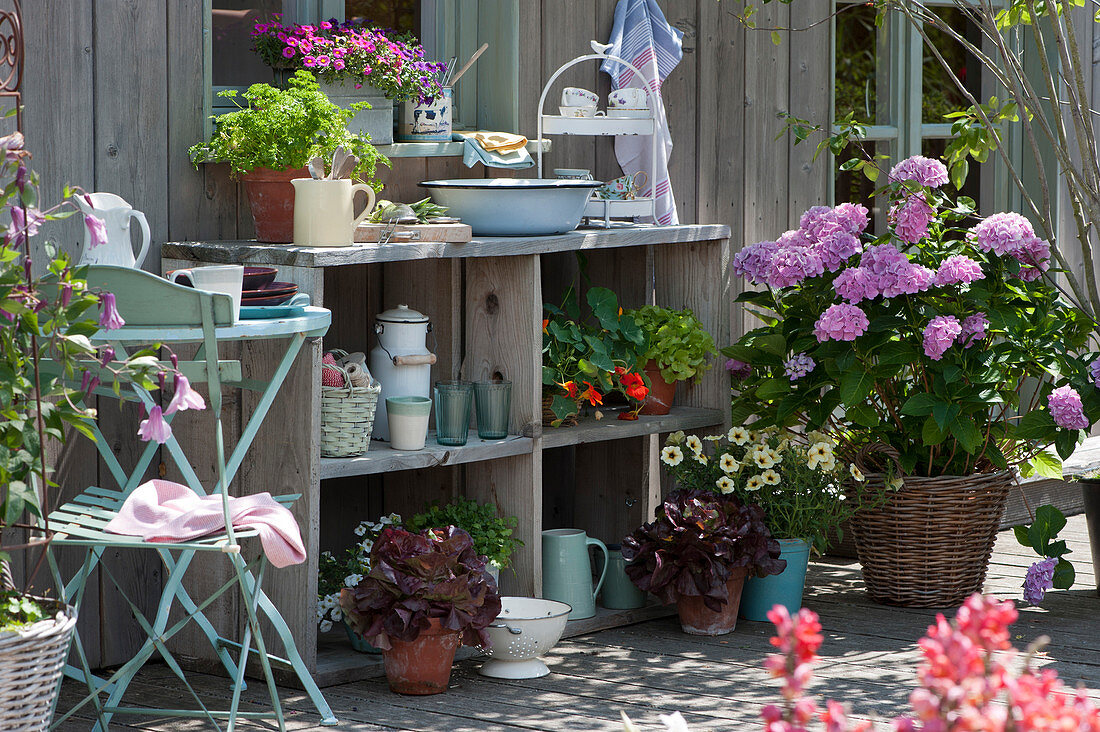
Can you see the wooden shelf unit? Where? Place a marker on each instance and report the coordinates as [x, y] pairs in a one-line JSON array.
[[485, 300]]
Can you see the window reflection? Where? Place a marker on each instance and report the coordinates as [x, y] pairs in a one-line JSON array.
[[234, 63], [400, 15]]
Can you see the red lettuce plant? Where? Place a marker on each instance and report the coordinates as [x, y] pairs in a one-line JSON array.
[[697, 539], [417, 577]]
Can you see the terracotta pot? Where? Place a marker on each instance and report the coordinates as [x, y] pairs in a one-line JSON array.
[[661, 393], [422, 666], [698, 619], [271, 198]]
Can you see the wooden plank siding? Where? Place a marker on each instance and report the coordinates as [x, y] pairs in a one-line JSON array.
[[114, 95]]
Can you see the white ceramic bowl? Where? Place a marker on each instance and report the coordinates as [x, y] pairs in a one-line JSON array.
[[515, 655], [514, 206]]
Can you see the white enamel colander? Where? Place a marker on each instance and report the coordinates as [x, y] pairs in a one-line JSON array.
[[526, 628]]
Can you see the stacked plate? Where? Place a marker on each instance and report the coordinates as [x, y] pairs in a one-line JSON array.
[[273, 293]]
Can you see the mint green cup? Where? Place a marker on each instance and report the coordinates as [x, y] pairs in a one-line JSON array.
[[408, 417]]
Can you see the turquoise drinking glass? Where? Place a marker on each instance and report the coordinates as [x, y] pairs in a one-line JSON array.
[[453, 400], [494, 408]]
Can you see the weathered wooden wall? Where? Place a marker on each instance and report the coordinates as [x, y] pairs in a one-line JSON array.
[[114, 97]]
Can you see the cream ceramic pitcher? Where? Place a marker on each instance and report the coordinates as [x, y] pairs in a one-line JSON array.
[[324, 211], [115, 213]]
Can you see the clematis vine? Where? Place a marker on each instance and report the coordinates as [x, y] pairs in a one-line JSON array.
[[109, 319], [185, 397], [154, 427]]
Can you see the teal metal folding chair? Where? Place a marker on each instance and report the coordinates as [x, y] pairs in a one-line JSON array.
[[157, 311]]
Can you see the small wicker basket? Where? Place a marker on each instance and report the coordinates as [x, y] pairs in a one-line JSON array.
[[347, 415], [31, 662]]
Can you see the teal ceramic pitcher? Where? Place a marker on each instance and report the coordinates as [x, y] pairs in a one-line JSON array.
[[567, 570]]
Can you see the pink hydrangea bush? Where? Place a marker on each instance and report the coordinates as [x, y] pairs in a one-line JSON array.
[[921, 338], [968, 680]]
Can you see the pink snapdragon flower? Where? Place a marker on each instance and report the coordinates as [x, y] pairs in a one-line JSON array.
[[1066, 409], [154, 427], [841, 322], [109, 319], [921, 170], [940, 334], [958, 269], [185, 397]]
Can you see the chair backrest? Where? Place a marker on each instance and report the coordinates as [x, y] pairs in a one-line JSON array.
[[145, 299]]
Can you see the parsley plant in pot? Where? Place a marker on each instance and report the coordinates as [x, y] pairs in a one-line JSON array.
[[941, 355], [678, 350], [696, 554], [45, 350], [269, 141], [491, 533], [426, 594], [796, 479]]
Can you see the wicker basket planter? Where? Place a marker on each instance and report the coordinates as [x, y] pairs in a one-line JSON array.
[[929, 544], [31, 662], [347, 417]]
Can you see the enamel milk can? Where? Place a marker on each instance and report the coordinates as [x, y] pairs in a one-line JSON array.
[[401, 360]]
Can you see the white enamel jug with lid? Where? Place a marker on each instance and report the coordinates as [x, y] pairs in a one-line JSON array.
[[401, 360]]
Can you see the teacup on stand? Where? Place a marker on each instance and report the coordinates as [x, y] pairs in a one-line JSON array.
[[624, 188], [576, 97], [580, 111], [227, 279], [629, 98]]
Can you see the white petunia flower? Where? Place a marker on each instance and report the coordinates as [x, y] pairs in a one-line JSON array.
[[700, 458], [770, 477], [738, 435], [672, 456], [857, 473], [725, 485], [361, 529], [729, 464], [352, 580], [754, 483], [763, 459], [694, 444], [326, 626]]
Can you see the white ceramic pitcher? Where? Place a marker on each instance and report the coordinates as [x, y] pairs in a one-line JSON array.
[[324, 211], [115, 213]]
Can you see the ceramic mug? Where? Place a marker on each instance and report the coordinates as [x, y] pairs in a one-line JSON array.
[[567, 570], [629, 98], [228, 279], [581, 112], [408, 421], [574, 96], [624, 188], [572, 174], [324, 211]]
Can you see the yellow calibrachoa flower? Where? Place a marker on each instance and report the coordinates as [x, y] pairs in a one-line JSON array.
[[738, 435], [700, 458], [694, 444], [754, 483], [762, 458], [828, 464], [775, 455], [729, 463], [821, 449], [672, 456], [770, 477], [857, 473], [725, 484]]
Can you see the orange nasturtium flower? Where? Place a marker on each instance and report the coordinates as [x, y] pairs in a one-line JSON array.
[[545, 322], [570, 388], [635, 386], [594, 397]]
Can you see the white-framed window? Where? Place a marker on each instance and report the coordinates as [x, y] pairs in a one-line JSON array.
[[888, 78]]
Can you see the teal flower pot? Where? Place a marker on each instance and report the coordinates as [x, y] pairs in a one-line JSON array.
[[761, 594], [358, 643]]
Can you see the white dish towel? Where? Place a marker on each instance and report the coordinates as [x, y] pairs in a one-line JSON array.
[[642, 36]]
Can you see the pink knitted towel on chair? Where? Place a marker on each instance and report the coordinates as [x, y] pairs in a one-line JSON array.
[[163, 511]]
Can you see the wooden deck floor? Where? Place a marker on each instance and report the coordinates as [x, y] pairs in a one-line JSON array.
[[717, 683]]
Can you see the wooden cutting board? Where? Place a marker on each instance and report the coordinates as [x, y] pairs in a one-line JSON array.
[[453, 233]]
